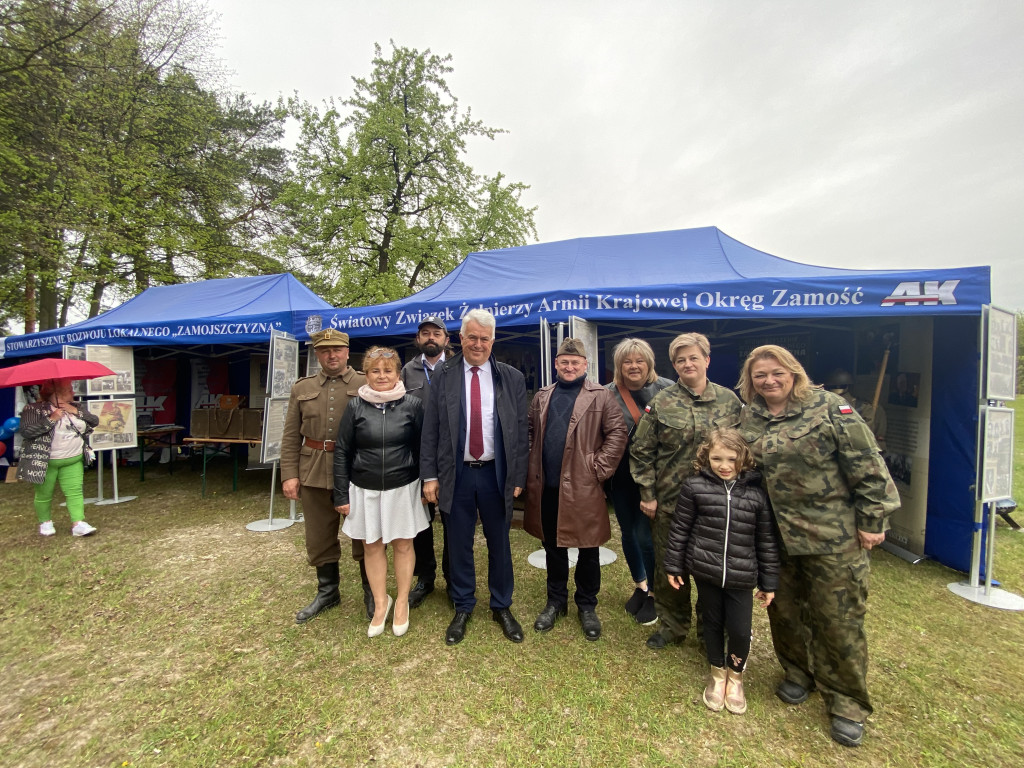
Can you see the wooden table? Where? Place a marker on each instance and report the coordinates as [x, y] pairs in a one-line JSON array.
[[157, 436], [221, 445]]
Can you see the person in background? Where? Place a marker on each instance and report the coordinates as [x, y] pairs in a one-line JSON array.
[[832, 496], [473, 464], [676, 422], [54, 429], [377, 481], [635, 383], [577, 438], [431, 341], [722, 534], [311, 424], [840, 382]]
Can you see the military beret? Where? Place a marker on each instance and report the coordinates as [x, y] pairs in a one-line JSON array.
[[572, 347], [329, 337]]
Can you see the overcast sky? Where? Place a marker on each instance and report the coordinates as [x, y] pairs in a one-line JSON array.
[[857, 134]]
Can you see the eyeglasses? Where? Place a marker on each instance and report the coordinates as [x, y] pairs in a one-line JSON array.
[[380, 353]]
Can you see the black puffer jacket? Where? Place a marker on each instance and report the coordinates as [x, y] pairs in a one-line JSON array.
[[377, 448], [722, 536]]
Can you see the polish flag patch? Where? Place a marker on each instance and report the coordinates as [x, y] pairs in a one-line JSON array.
[[845, 409], [647, 409]]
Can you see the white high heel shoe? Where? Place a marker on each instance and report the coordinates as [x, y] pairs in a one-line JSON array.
[[372, 630], [401, 629]]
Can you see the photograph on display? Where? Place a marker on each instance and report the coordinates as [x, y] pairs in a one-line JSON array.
[[121, 360], [284, 366], [78, 386], [117, 428], [273, 429]]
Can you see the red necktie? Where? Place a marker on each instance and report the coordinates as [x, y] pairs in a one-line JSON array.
[[476, 423]]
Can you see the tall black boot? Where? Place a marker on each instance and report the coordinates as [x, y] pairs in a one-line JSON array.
[[327, 594], [367, 592]]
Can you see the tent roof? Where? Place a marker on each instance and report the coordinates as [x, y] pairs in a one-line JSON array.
[[687, 274], [234, 310]]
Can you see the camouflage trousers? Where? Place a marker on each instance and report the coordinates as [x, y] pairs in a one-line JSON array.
[[817, 621], [673, 605]]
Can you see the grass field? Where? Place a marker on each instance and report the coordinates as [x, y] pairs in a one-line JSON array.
[[168, 639]]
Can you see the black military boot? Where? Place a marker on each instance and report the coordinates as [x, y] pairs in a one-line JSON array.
[[367, 592], [327, 594]]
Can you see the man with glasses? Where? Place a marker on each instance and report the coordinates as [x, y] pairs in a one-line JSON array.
[[473, 462], [431, 341]]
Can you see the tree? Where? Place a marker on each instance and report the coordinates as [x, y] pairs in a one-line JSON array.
[[118, 168], [380, 200]]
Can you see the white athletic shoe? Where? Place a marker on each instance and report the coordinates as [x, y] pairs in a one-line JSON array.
[[47, 529], [82, 528]]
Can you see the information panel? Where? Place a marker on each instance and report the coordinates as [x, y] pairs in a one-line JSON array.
[[997, 454]]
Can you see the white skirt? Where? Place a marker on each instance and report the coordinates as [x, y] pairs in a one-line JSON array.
[[396, 513]]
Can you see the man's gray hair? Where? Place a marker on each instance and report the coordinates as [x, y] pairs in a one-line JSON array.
[[481, 316]]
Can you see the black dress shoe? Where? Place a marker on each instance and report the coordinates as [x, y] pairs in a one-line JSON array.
[[792, 693], [457, 629], [419, 593], [509, 626], [591, 624], [546, 619]]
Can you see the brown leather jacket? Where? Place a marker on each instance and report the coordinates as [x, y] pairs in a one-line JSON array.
[[594, 444]]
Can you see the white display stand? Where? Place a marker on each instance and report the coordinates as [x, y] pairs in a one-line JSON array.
[[270, 524], [538, 559], [100, 502]]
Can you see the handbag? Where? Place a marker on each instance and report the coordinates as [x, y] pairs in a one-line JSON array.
[[88, 454]]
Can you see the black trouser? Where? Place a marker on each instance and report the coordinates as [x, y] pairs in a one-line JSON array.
[[423, 545], [726, 610], [588, 564]]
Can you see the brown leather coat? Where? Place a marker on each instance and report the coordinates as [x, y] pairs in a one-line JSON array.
[[594, 444]]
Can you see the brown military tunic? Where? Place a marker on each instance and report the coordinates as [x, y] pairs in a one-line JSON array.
[[315, 408]]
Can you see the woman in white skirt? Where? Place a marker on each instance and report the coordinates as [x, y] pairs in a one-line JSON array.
[[377, 481]]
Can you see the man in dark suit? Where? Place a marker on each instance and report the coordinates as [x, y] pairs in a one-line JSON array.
[[473, 460]]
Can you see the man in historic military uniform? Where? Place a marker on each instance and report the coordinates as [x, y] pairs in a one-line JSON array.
[[674, 424], [315, 408], [840, 382], [431, 341]]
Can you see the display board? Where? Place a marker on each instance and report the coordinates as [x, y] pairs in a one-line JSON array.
[[1000, 354], [78, 386], [586, 331], [121, 360], [996, 454], [117, 427], [283, 367], [274, 413]]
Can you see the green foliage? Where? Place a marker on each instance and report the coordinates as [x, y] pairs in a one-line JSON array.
[[381, 201], [118, 168]]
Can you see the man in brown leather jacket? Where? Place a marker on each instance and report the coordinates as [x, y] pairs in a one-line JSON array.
[[577, 437], [315, 408]]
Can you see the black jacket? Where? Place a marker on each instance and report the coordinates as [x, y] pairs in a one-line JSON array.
[[377, 448], [725, 537]]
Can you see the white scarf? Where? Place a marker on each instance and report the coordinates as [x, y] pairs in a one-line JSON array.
[[370, 395]]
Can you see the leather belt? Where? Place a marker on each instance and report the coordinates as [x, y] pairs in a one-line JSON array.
[[317, 445], [478, 464]]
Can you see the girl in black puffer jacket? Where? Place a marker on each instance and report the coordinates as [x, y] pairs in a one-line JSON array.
[[722, 534]]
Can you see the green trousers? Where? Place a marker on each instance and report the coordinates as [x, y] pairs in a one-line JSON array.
[[70, 473]]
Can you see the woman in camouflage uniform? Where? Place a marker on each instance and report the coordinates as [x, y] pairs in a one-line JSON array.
[[832, 495]]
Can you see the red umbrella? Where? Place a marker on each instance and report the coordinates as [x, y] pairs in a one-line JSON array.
[[38, 371]]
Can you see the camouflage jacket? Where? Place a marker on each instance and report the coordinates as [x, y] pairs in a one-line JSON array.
[[671, 429], [822, 471]]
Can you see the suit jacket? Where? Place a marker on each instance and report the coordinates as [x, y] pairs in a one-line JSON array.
[[594, 444], [442, 452]]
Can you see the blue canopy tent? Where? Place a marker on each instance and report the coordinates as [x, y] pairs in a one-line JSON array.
[[703, 280], [228, 311]]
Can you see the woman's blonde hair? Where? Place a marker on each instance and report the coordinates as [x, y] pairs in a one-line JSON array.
[[628, 347], [386, 354], [683, 340], [801, 383], [727, 438]]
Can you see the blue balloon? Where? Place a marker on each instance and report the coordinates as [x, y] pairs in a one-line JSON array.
[[5, 432], [12, 424]]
